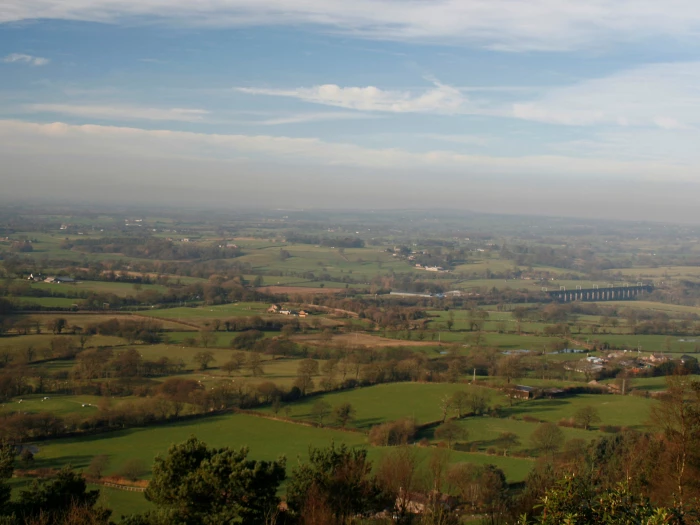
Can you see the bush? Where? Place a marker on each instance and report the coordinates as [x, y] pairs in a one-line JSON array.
[[133, 469], [567, 422], [97, 466], [491, 451]]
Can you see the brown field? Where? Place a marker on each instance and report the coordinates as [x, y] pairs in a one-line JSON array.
[[298, 290], [358, 338]]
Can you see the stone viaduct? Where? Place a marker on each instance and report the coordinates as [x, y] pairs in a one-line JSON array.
[[614, 293]]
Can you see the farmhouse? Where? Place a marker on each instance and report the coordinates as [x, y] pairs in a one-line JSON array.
[[274, 309]]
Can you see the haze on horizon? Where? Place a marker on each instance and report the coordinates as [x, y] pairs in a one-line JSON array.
[[546, 108]]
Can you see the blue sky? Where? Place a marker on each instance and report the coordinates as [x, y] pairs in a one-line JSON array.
[[477, 96]]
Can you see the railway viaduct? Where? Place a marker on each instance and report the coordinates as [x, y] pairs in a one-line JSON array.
[[614, 293]]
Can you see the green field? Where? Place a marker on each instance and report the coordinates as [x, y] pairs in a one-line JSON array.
[[627, 411], [484, 432], [282, 372], [649, 384], [122, 502], [670, 309], [48, 302], [388, 402], [224, 311], [38, 342], [515, 469], [261, 435], [118, 289], [60, 405]]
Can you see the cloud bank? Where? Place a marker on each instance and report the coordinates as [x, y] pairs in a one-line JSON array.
[[48, 139]]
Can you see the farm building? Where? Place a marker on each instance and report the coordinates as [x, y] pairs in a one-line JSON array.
[[688, 359], [59, 279], [521, 392]]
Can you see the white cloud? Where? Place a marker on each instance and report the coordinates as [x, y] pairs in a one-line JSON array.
[[47, 139], [512, 25], [441, 99], [656, 95], [121, 112], [25, 59]]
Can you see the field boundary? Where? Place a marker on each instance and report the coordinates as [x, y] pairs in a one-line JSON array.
[[115, 313], [119, 486]]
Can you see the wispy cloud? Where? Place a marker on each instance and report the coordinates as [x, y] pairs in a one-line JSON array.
[[441, 98], [303, 118], [656, 95], [120, 112], [508, 25], [467, 140], [661, 96], [21, 58], [47, 139]]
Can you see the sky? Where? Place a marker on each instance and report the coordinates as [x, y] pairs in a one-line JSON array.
[[551, 107]]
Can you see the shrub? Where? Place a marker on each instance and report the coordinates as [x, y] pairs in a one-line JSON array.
[[391, 433], [640, 393]]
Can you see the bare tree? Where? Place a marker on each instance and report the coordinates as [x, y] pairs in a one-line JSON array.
[[203, 359], [445, 404], [398, 475], [548, 438], [678, 417], [450, 431]]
